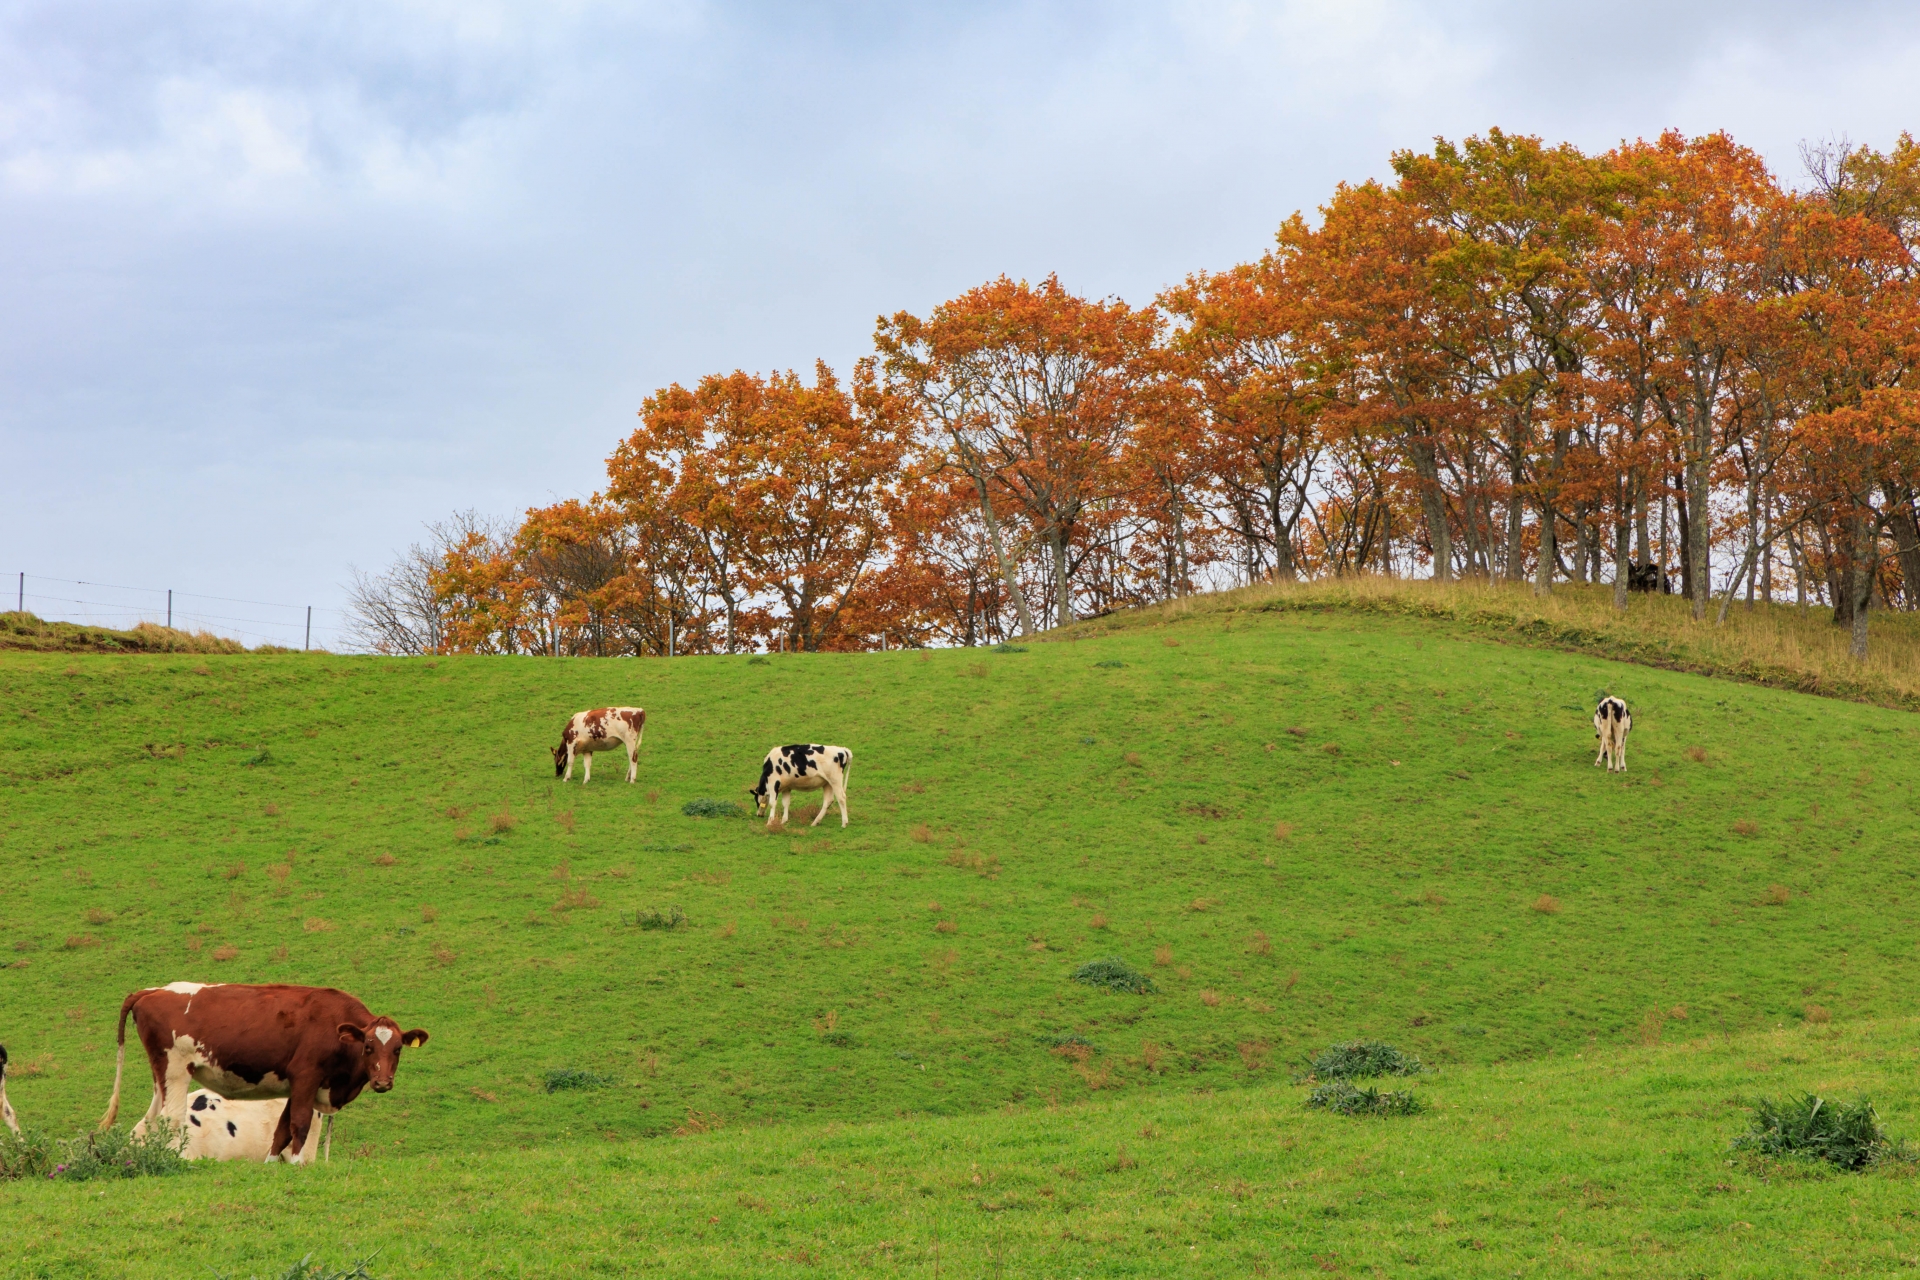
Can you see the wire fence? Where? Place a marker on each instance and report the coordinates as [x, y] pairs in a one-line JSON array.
[[119, 607]]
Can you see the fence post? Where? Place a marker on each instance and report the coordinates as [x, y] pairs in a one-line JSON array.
[[169, 608], [309, 640], [669, 634], [22, 605]]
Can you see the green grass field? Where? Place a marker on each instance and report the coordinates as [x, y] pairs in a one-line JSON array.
[[1305, 827]]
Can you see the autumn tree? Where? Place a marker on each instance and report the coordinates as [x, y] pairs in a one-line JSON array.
[[1035, 390]]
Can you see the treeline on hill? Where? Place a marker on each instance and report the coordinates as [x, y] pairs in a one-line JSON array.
[[1512, 362]]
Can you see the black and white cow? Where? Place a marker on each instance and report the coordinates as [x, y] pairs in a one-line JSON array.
[[6, 1108], [242, 1129], [1611, 720], [802, 767]]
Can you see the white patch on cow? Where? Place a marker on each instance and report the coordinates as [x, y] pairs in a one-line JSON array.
[[184, 988], [383, 1034]]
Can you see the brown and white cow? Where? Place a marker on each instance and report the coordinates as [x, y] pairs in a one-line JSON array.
[[1611, 720], [6, 1108], [802, 767], [601, 729], [242, 1129], [314, 1046]]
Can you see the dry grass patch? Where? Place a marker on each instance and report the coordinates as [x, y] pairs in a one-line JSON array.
[[81, 941], [315, 924], [1253, 1054], [443, 956], [99, 915], [1097, 922], [429, 914], [945, 926], [1777, 895], [1434, 898], [1697, 754], [272, 810], [1210, 998], [1163, 956], [1746, 827], [1817, 1014], [1547, 905], [566, 820], [920, 833], [502, 822], [1260, 944], [384, 860], [226, 951], [234, 872]]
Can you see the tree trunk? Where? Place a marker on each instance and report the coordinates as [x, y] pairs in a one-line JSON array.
[[1906, 537], [1699, 542], [1547, 554], [1685, 530], [1000, 557], [1865, 564], [1063, 600], [1433, 505], [1623, 555]]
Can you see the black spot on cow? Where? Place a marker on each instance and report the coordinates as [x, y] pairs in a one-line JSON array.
[[199, 1102], [840, 758], [233, 1130], [799, 759]]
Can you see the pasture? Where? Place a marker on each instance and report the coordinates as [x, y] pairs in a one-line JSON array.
[[1302, 826]]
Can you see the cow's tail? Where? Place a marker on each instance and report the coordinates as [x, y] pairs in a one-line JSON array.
[[119, 1063]]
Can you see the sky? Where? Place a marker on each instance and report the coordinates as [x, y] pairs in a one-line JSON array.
[[284, 281]]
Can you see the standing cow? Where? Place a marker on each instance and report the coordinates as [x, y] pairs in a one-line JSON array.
[[601, 729], [802, 767], [314, 1046], [6, 1108], [1611, 720]]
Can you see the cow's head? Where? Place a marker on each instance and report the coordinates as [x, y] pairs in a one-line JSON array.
[[560, 762], [760, 793], [379, 1044]]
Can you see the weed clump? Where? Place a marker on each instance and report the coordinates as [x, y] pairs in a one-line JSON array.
[[1003, 647], [1343, 1097], [574, 1078], [1114, 974], [113, 1154], [705, 807], [308, 1269], [655, 918], [1360, 1059], [1111, 664], [1846, 1136]]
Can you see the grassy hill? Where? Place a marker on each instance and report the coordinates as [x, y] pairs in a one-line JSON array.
[[1304, 826]]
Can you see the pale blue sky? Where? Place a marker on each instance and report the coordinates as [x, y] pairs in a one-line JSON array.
[[285, 280]]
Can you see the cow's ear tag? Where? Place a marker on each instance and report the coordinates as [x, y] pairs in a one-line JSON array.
[[413, 1039], [350, 1034]]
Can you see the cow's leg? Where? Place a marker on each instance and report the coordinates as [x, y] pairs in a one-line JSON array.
[[1600, 732], [170, 1094], [633, 761], [773, 801], [568, 777], [296, 1123], [586, 768], [840, 794]]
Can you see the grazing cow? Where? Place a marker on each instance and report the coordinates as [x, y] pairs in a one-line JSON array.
[[1647, 577], [1611, 720], [314, 1046], [802, 767], [241, 1129], [6, 1108], [602, 729]]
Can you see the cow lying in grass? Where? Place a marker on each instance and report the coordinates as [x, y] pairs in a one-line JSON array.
[[6, 1108], [1611, 720], [601, 729], [242, 1129], [802, 767]]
